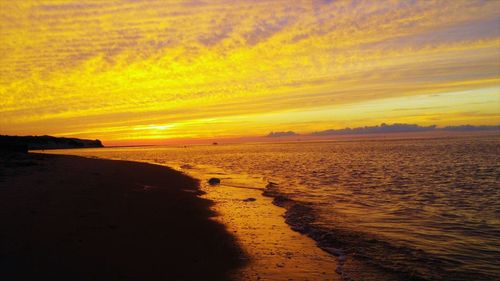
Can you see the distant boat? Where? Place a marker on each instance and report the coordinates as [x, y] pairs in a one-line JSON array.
[[214, 143]]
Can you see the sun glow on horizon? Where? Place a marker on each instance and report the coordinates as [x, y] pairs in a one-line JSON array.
[[132, 70]]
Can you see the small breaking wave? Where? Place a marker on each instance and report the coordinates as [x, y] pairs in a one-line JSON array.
[[398, 261]]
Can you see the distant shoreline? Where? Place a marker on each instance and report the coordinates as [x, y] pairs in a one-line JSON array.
[[303, 138]]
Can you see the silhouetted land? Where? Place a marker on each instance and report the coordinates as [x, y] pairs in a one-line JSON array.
[[390, 128], [73, 218], [25, 143]]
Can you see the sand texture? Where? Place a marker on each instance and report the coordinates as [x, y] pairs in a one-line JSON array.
[[74, 218]]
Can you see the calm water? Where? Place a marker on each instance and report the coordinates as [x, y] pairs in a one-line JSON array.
[[428, 208]]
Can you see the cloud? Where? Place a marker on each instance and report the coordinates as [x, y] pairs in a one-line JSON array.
[[382, 129], [64, 62], [389, 128], [281, 134]]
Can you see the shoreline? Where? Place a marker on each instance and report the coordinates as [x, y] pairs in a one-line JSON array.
[[275, 251], [278, 248], [273, 248], [75, 218]]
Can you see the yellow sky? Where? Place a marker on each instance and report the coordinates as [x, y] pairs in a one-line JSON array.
[[131, 70]]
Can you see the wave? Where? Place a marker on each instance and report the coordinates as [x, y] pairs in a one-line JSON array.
[[387, 257]]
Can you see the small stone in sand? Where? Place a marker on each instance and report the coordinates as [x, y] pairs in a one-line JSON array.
[[251, 199], [214, 181]]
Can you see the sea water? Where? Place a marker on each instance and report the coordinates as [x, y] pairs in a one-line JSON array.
[[424, 208]]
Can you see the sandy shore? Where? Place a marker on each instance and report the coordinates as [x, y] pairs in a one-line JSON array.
[[74, 218], [275, 251]]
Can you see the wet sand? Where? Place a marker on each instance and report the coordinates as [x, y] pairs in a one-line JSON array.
[[74, 218], [275, 251]]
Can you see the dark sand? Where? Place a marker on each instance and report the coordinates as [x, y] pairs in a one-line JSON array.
[[73, 218]]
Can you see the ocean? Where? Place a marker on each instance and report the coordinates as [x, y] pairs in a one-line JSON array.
[[428, 209]]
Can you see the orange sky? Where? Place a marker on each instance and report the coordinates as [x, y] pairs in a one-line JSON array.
[[143, 70]]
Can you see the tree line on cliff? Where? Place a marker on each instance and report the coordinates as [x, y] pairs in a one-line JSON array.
[[25, 143]]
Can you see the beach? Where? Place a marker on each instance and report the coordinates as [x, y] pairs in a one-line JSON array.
[[275, 251], [74, 218], [243, 140], [339, 210], [360, 210]]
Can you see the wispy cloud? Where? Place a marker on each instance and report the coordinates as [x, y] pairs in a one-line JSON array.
[[91, 66]]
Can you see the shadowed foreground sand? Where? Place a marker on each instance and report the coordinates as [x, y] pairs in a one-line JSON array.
[[73, 218]]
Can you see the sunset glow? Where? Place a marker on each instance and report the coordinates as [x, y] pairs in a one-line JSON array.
[[138, 70]]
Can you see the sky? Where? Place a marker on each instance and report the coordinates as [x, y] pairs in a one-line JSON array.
[[153, 70]]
